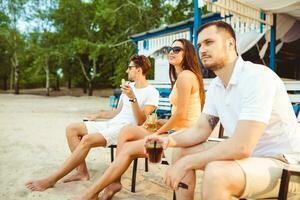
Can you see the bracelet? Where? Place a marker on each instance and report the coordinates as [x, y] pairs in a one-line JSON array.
[[133, 100]]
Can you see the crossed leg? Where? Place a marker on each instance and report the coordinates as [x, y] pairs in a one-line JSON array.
[[128, 133], [74, 134], [130, 151], [80, 143]]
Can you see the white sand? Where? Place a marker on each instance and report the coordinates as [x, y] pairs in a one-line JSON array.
[[33, 145]]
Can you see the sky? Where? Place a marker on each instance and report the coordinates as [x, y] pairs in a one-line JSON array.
[[25, 25]]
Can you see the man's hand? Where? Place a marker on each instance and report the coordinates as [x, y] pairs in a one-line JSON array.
[[127, 90], [175, 173], [155, 137]]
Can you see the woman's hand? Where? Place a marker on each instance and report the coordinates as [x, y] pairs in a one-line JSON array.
[[161, 122]]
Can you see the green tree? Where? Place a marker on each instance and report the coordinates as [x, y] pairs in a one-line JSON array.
[[88, 40], [182, 11], [14, 9], [4, 54], [117, 21]]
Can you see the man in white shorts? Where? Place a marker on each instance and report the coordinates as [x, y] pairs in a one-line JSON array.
[[253, 106], [137, 100]]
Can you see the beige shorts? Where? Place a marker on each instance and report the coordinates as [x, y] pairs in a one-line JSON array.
[[262, 175], [263, 178], [109, 130]]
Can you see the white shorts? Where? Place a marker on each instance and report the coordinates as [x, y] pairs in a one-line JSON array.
[[109, 130]]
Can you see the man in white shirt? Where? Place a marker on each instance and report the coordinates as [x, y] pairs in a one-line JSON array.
[[252, 104], [138, 99]]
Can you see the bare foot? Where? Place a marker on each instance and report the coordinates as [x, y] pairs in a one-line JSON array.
[[77, 177], [110, 191], [39, 185]]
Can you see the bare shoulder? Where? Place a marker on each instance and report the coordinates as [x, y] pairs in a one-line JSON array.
[[186, 76]]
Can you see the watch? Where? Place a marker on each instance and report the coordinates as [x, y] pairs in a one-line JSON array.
[[132, 100]]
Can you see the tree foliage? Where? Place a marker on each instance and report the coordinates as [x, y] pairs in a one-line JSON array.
[[79, 43]]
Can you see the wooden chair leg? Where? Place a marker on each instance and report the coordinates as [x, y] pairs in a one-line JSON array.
[[174, 195], [112, 153], [146, 165], [284, 185], [112, 147], [133, 180], [221, 131]]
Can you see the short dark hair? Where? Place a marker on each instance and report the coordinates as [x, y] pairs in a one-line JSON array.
[[220, 25], [141, 61]]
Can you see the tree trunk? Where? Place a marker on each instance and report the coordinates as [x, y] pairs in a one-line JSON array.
[[85, 87], [12, 80], [15, 63], [47, 80], [90, 87], [69, 82], [17, 80], [87, 79], [57, 83], [70, 76], [5, 83]]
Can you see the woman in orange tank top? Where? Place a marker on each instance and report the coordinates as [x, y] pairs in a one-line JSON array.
[[187, 99]]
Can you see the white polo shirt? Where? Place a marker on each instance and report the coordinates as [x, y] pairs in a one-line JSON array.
[[256, 93]]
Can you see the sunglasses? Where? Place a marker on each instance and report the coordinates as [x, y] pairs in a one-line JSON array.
[[130, 67], [175, 50]]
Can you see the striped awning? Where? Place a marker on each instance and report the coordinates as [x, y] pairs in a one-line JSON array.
[[243, 14]]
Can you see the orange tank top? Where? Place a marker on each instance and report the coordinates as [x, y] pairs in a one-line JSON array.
[[194, 107]]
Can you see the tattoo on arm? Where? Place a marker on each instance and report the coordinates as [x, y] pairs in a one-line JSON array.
[[212, 120]]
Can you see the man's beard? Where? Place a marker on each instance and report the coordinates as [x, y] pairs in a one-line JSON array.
[[214, 66]]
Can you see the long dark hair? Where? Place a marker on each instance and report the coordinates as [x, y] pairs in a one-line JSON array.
[[189, 62]]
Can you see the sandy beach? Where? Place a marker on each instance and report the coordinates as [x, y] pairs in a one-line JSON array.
[[33, 145]]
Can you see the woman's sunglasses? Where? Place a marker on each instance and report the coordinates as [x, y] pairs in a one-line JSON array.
[[175, 50]]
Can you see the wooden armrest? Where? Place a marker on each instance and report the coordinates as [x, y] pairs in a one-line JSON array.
[[292, 167], [212, 139]]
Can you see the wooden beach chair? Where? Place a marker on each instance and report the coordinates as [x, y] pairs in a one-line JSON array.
[[163, 111]]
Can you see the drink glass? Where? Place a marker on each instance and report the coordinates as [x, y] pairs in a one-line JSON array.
[[151, 122], [123, 82], [154, 150]]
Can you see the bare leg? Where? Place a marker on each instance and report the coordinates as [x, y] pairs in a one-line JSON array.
[[131, 150], [74, 133], [77, 157], [190, 178], [128, 133], [222, 179]]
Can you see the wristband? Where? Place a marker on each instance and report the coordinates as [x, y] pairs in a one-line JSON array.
[[132, 100]]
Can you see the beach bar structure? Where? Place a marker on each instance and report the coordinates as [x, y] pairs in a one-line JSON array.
[[152, 43], [277, 23]]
